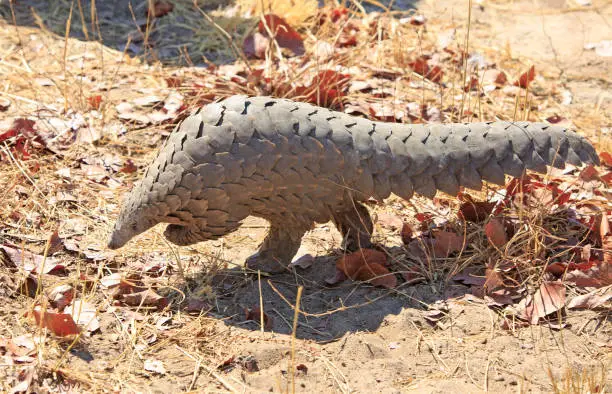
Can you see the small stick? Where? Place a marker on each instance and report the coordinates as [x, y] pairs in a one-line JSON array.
[[296, 316]]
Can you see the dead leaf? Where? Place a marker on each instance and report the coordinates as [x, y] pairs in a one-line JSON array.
[[4, 104], [61, 296], [285, 35], [302, 368], [606, 159], [526, 78], [31, 262], [406, 233], [496, 232], [154, 366], [446, 243], [197, 306], [589, 173], [255, 45], [85, 315], [128, 167], [145, 298], [390, 221], [549, 298], [475, 211], [351, 264], [468, 277], [254, 314], [304, 261], [493, 280], [61, 324], [94, 101], [377, 275], [160, 8], [591, 300]]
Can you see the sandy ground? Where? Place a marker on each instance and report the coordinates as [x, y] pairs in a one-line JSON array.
[[356, 338]]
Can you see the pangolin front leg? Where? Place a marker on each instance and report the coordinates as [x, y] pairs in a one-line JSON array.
[[355, 225], [278, 248]]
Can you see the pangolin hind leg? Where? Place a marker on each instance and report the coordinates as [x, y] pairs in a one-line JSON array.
[[278, 248], [355, 225]]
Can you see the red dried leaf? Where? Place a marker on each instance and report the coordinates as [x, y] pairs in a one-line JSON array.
[[61, 296], [472, 84], [350, 264], [496, 232], [61, 324], [406, 233], [549, 298], [417, 20], [606, 159], [589, 173], [526, 78], [145, 298], [493, 280], [446, 243], [420, 66], [302, 368], [555, 119], [31, 262], [607, 178], [339, 13], [377, 275], [128, 167], [94, 101], [174, 82], [255, 45], [475, 212], [197, 305], [423, 217], [255, 315], [160, 8], [285, 35]]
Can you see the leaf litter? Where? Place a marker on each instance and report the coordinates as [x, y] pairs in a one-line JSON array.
[[555, 257]]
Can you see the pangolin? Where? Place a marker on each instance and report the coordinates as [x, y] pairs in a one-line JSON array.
[[296, 164]]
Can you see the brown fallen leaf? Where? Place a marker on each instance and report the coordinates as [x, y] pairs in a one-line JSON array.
[[493, 280], [254, 314], [61, 324], [377, 275], [549, 298], [94, 101], [85, 315], [406, 233], [285, 35], [31, 262], [350, 264], [446, 243], [145, 298], [61, 296], [606, 159], [496, 232], [526, 78], [160, 8], [592, 299], [255, 45], [475, 211]]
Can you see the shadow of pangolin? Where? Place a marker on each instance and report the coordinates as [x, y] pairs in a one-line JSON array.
[[295, 164]]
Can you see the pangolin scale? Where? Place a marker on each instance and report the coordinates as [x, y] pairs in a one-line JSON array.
[[297, 164]]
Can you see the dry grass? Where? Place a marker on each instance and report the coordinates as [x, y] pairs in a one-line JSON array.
[[49, 78]]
